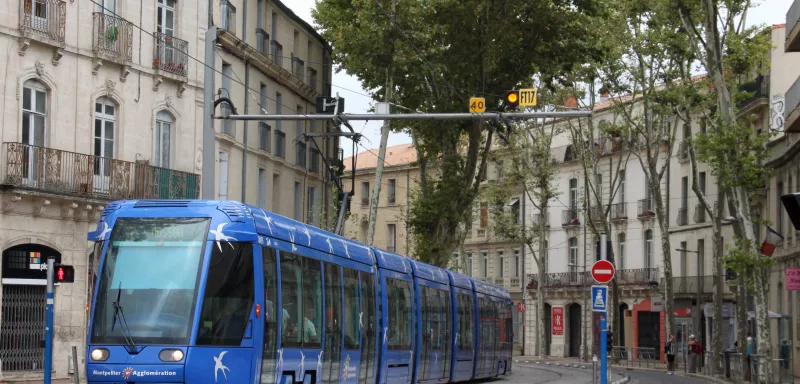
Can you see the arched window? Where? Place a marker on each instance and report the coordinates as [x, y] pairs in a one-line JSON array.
[[34, 125], [163, 139], [105, 119], [648, 248], [621, 251]]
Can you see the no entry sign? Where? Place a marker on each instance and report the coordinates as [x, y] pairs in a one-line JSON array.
[[603, 271]]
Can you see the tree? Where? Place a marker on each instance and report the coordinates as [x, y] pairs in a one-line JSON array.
[[728, 51], [444, 52], [644, 80], [534, 172]]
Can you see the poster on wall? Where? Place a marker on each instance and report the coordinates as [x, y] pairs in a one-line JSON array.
[[558, 321], [793, 279]]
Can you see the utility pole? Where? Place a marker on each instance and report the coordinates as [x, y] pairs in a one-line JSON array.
[[209, 134], [48, 328]]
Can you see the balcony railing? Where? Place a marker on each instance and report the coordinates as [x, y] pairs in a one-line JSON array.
[[691, 285], [683, 216], [300, 154], [699, 214], [596, 213], [46, 18], [576, 279], [569, 217], [618, 211], [514, 282], [683, 151], [792, 22], [499, 281], [280, 144], [170, 54], [113, 36], [645, 209], [262, 41], [756, 90], [61, 172]]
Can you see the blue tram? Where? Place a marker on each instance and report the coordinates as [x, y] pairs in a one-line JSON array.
[[222, 292]]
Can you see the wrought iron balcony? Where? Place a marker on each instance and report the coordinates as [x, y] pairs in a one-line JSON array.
[[44, 18], [578, 279], [170, 54], [756, 90], [619, 211], [645, 209], [792, 43], [691, 285], [683, 216], [74, 174], [113, 37], [596, 213], [641, 276], [699, 214], [569, 217], [683, 151]]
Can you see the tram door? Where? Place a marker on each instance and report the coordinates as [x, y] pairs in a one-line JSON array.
[[351, 324], [398, 362], [435, 328], [465, 337], [333, 325]]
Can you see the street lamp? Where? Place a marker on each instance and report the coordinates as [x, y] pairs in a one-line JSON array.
[[696, 314]]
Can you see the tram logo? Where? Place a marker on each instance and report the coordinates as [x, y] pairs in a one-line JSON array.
[[218, 366], [127, 372], [219, 236]]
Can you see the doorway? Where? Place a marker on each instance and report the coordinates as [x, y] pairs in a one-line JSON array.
[[548, 318], [649, 334], [574, 313]]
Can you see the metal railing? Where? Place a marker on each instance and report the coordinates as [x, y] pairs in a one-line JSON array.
[[645, 208], [699, 213], [22, 329], [641, 276], [619, 211], [276, 49], [62, 172], [262, 41], [572, 279], [170, 54], [640, 357], [113, 36], [280, 144], [46, 18], [690, 285], [683, 151], [683, 216], [569, 217], [514, 282], [756, 90]]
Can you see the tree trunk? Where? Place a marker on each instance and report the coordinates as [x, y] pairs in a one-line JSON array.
[[540, 291], [663, 226], [762, 326], [716, 333]]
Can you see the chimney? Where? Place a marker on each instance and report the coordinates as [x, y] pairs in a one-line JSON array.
[[603, 96], [571, 102]]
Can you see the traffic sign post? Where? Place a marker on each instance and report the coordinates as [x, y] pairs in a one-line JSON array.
[[603, 353], [603, 271]]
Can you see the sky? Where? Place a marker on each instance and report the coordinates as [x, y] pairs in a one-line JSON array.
[[765, 12]]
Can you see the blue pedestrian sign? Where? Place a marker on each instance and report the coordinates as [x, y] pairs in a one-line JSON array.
[[599, 298]]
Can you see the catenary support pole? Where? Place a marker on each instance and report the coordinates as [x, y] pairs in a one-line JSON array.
[[48, 328], [209, 134]]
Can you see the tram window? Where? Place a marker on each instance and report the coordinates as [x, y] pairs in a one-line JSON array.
[[465, 319], [333, 324], [367, 374], [399, 297], [228, 298], [351, 309], [270, 315], [301, 291]]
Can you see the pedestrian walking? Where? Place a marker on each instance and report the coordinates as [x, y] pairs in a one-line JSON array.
[[669, 350], [695, 350]]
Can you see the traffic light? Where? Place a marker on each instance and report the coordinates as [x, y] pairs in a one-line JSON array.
[[609, 341], [64, 273], [512, 99]]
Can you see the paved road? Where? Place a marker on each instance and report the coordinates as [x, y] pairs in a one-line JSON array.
[[532, 373]]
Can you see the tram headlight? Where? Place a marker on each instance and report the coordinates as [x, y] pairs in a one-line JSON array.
[[100, 354], [171, 355]]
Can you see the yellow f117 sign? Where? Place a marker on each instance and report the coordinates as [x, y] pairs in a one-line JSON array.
[[527, 97], [477, 105]]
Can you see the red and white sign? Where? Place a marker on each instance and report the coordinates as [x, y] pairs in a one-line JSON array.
[[520, 307], [603, 271], [558, 321]]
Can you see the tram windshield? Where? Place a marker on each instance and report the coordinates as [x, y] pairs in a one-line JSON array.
[[148, 282]]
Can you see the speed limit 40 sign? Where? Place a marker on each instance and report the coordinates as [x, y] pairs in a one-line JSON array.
[[477, 105]]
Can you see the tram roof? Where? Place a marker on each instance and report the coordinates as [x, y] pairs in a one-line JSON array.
[[429, 272], [392, 261], [490, 289], [460, 280]]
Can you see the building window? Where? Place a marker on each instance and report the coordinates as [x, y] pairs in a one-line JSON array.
[[392, 191], [298, 201], [484, 215], [622, 186], [701, 255], [469, 263], [165, 22], [264, 131], [515, 212], [105, 118], [365, 193], [262, 188], [516, 263], [702, 180], [34, 121], [276, 196], [278, 110], [621, 251], [163, 139], [484, 263], [500, 263], [312, 79], [648, 248], [228, 12], [262, 98], [573, 194], [573, 252], [392, 240], [262, 41], [398, 293], [222, 180], [301, 290], [225, 108]]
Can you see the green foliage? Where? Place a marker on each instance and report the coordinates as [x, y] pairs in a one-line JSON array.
[[448, 51], [743, 258]]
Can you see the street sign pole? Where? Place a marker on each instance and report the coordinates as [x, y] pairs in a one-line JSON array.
[[48, 328], [603, 352]]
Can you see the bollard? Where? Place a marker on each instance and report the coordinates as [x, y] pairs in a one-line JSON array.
[[76, 379]]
